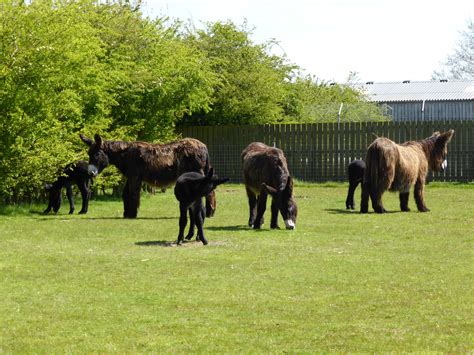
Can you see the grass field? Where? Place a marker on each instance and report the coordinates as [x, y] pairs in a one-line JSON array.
[[341, 282]]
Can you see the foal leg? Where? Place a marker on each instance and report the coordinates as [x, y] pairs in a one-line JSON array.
[[192, 223], [70, 198], [85, 194], [198, 210], [261, 207], [419, 195], [252, 206], [183, 220], [350, 195]]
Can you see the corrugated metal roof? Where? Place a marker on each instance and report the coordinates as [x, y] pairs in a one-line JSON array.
[[419, 91]]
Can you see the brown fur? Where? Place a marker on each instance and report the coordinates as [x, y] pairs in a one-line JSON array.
[[397, 167], [157, 164], [266, 172]]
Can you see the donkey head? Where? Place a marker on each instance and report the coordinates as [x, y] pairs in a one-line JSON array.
[[440, 150], [98, 159], [210, 182], [211, 204], [285, 202]]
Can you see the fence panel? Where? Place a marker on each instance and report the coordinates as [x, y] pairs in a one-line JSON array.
[[321, 151]]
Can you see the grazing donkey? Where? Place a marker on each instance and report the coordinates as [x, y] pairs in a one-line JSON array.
[[355, 172], [396, 167], [75, 173], [266, 172], [157, 164], [189, 190]]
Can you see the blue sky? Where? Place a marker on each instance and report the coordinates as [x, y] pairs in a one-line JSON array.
[[382, 40]]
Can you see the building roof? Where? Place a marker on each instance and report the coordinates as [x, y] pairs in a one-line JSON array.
[[442, 90]]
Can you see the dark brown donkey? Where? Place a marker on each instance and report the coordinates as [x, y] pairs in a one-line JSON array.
[[397, 167], [157, 164], [266, 172]]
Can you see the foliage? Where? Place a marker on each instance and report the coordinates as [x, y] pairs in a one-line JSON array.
[[251, 81], [310, 100], [341, 282], [101, 67], [460, 64], [84, 66]]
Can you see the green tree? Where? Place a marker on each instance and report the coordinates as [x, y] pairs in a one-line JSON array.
[[251, 81]]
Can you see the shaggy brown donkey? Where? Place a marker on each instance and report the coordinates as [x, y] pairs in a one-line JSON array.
[[157, 164], [189, 191], [266, 172], [396, 167]]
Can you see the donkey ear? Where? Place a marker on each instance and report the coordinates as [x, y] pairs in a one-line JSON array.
[[86, 140], [446, 136], [210, 173], [98, 140], [221, 181], [272, 191]]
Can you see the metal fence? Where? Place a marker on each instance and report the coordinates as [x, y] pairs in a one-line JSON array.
[[320, 152]]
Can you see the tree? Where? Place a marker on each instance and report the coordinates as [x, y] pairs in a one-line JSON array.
[[250, 84], [460, 64]]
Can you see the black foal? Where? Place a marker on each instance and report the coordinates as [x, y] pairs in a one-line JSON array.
[[355, 171], [75, 173], [189, 190]]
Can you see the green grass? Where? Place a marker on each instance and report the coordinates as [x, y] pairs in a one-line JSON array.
[[341, 282]]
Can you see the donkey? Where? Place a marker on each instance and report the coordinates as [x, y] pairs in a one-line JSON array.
[[396, 167], [157, 164], [189, 190], [355, 172], [266, 172], [75, 173]]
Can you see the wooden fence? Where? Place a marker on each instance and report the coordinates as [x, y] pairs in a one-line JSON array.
[[321, 151]]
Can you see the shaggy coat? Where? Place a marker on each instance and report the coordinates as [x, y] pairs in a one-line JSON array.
[[75, 173], [355, 172], [266, 172], [189, 190], [157, 164], [397, 167]]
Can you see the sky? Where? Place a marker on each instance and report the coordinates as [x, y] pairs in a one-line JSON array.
[[381, 40]]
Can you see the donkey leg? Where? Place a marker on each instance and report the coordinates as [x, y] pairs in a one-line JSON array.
[[183, 220], [252, 198], [419, 195], [70, 198], [132, 197], [350, 195], [274, 220], [376, 193], [85, 194], [261, 207], [192, 223], [198, 217], [404, 201], [364, 198], [57, 201]]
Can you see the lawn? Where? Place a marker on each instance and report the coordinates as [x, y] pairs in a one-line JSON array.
[[341, 282]]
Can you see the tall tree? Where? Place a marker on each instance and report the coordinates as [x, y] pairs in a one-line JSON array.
[[460, 64], [250, 84]]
